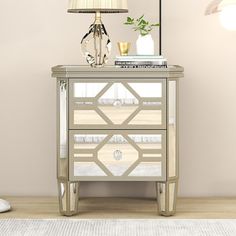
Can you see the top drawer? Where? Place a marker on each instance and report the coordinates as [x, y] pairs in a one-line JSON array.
[[117, 104]]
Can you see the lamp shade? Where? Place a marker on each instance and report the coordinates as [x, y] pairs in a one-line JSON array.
[[226, 10], [93, 6], [217, 6]]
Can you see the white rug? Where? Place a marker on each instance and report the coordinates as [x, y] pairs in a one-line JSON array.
[[68, 227]]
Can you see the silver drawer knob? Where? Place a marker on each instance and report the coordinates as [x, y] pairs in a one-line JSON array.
[[117, 103], [117, 155]]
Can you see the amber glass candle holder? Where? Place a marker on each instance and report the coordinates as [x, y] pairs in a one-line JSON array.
[[124, 48]]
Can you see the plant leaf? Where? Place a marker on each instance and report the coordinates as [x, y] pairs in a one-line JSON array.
[[129, 19], [140, 18], [155, 24], [141, 25]]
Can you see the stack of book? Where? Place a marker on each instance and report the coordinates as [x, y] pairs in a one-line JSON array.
[[141, 62]]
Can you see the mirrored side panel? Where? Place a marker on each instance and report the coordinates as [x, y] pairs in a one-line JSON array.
[[62, 159], [172, 128]]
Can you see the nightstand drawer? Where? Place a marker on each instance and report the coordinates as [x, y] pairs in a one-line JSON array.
[[115, 155], [117, 104]]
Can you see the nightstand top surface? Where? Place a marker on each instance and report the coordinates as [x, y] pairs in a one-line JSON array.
[[75, 71]]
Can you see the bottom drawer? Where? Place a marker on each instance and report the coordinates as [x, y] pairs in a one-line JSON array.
[[117, 155]]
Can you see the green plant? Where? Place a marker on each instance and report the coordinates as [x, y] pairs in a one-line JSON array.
[[141, 25]]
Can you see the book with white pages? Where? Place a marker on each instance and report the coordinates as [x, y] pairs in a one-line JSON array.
[[140, 58]]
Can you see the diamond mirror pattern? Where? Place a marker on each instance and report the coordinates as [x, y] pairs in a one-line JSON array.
[[88, 142], [123, 154], [118, 155], [118, 103], [115, 104]]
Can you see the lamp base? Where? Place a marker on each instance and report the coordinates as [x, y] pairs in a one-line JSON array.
[[96, 44]]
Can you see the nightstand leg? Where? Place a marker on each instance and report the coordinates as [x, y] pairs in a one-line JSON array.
[[68, 197], [166, 197]]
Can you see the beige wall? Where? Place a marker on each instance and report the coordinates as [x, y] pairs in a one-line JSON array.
[[35, 35]]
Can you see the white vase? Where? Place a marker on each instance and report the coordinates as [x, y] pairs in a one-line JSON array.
[[145, 45]]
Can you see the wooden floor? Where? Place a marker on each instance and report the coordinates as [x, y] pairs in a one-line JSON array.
[[187, 208]]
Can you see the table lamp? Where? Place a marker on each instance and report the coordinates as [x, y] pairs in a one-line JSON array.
[[96, 44], [226, 10]]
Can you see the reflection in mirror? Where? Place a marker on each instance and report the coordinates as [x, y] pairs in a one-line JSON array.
[[63, 196], [118, 92], [73, 196], [172, 187], [147, 90], [89, 141], [87, 90], [87, 169], [172, 129], [147, 141], [143, 118], [63, 119], [162, 197], [147, 169], [87, 117]]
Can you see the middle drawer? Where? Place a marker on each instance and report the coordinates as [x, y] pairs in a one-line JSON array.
[[117, 104]]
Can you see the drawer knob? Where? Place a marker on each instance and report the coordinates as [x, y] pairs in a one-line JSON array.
[[117, 155], [117, 103]]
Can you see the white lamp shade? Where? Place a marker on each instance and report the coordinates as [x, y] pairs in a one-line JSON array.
[[217, 6], [103, 6], [226, 10]]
